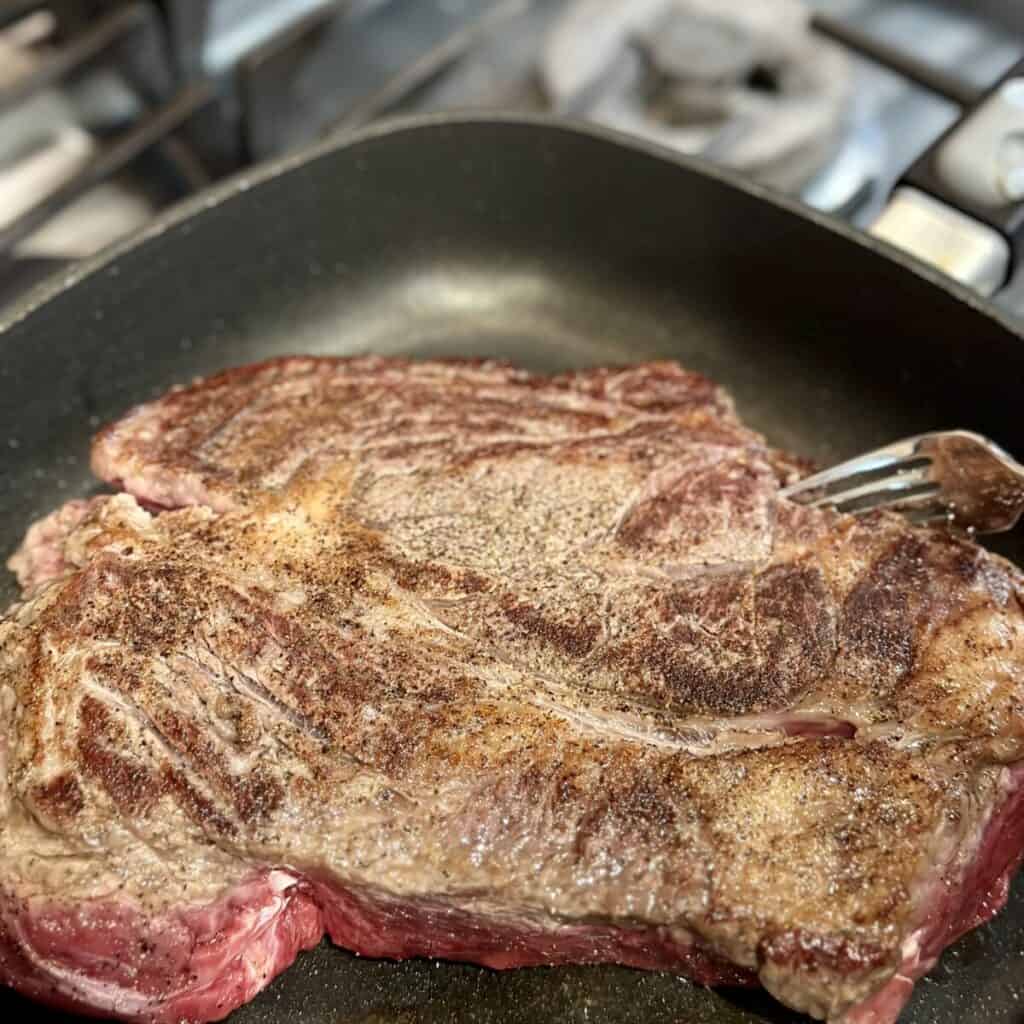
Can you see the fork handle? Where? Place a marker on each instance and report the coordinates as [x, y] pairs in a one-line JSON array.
[[960, 205]]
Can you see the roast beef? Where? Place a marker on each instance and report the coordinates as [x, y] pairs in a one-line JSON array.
[[452, 660]]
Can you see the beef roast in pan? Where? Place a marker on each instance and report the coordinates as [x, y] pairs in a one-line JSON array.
[[446, 659]]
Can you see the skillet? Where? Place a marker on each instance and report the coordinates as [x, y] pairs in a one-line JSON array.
[[553, 246]]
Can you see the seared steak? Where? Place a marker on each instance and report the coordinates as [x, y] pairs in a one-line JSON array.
[[450, 660]]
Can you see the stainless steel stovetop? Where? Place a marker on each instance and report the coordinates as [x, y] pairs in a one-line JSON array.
[[110, 110]]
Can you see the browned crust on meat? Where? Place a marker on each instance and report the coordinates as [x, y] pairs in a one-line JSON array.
[[458, 630]]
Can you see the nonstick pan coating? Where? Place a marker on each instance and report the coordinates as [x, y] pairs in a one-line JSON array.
[[551, 246]]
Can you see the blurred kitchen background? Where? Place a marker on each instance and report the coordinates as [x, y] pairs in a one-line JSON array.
[[110, 111]]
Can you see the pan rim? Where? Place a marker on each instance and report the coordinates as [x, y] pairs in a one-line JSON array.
[[193, 207]]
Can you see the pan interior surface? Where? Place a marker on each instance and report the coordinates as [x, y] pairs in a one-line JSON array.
[[553, 248]]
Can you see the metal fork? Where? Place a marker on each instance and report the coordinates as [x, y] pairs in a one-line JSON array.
[[950, 476]]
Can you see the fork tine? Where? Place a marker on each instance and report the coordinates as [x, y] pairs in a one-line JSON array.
[[921, 503], [934, 513], [873, 463], [888, 497], [905, 485]]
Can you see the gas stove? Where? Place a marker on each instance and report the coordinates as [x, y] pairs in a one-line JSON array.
[[112, 110]]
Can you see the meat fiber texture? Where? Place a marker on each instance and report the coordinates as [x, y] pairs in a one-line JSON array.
[[451, 660]]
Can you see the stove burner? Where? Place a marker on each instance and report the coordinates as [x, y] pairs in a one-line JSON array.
[[745, 84], [156, 98]]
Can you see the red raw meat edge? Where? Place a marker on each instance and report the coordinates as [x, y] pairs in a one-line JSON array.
[[199, 964]]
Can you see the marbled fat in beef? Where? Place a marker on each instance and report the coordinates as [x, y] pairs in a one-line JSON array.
[[448, 659]]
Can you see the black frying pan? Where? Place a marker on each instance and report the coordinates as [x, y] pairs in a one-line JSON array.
[[554, 247]]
